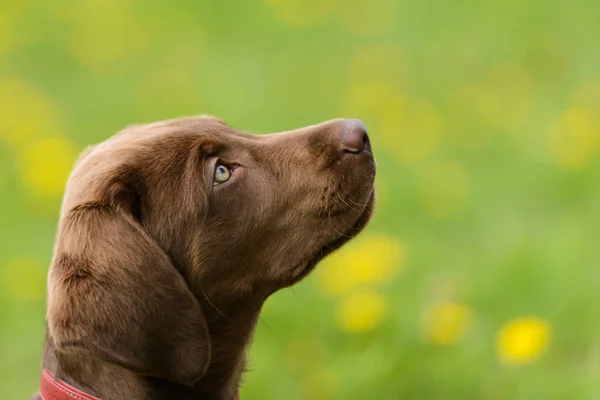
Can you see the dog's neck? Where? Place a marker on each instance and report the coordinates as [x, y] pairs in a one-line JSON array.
[[231, 326]]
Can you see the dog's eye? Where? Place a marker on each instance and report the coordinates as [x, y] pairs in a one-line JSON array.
[[222, 174]]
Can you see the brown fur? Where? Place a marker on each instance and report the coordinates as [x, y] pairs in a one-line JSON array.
[[158, 276]]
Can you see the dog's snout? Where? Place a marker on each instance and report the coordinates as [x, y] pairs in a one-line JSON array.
[[354, 137]]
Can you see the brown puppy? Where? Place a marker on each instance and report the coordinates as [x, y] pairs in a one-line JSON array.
[[173, 234]]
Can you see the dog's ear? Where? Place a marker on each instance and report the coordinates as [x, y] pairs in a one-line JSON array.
[[114, 294]]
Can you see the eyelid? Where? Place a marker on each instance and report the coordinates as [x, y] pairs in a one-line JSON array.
[[231, 166]]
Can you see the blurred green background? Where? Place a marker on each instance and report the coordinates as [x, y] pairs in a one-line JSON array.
[[478, 277]]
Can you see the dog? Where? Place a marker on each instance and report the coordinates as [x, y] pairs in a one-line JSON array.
[[171, 237]]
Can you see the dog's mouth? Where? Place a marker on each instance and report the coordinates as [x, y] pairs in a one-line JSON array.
[[306, 267]]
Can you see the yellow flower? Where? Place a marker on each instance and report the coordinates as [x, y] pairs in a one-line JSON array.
[[371, 260], [361, 312], [443, 189], [522, 340], [575, 138], [46, 164], [26, 114], [446, 323], [25, 279]]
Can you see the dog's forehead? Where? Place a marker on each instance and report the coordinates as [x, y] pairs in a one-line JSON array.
[[213, 119], [204, 125], [175, 131]]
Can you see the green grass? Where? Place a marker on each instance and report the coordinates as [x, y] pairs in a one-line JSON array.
[[485, 122]]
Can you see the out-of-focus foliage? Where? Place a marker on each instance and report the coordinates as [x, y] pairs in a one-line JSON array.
[[479, 276]]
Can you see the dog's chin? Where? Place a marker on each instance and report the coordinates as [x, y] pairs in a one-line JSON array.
[[306, 267]]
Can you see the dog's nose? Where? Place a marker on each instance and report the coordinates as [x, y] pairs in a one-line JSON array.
[[354, 137]]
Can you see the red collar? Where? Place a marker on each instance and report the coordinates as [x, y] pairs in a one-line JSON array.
[[52, 388], [55, 389]]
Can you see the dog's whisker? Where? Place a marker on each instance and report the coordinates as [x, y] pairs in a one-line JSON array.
[[349, 206], [336, 201], [362, 205], [343, 203], [334, 228], [210, 302]]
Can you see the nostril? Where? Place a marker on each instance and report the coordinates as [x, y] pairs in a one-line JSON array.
[[354, 137], [365, 141]]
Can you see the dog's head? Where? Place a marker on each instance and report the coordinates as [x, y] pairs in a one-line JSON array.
[[161, 216]]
